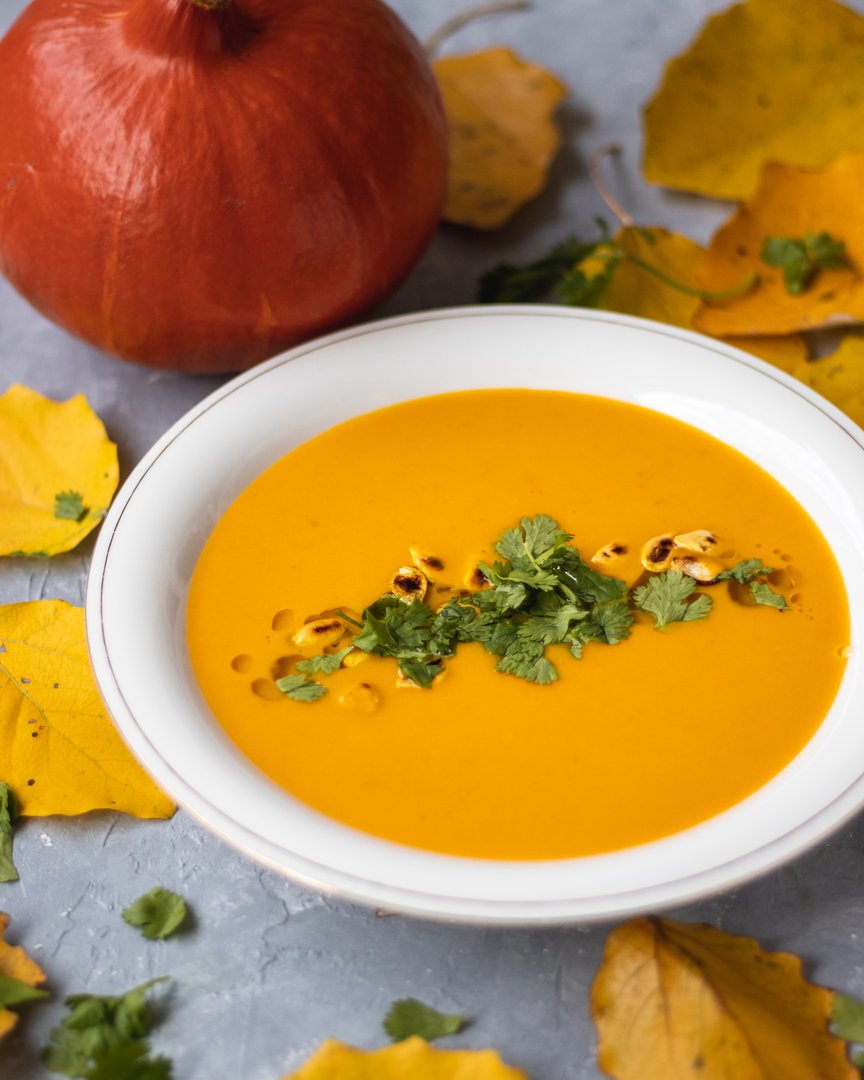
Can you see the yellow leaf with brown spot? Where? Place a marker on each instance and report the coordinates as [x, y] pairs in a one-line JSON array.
[[413, 1059], [789, 202], [502, 134], [58, 472], [839, 377], [765, 80], [61, 754], [687, 1001], [633, 290], [15, 964]]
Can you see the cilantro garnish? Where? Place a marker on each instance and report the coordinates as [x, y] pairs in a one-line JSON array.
[[69, 506], [408, 1017], [801, 259], [99, 1030], [157, 914], [8, 815], [667, 597], [299, 688], [325, 664], [538, 594], [748, 572], [130, 1061]]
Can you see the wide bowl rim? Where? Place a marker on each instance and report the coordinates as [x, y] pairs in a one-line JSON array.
[[502, 911]]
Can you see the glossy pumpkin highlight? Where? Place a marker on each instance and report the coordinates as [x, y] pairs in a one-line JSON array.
[[197, 185]]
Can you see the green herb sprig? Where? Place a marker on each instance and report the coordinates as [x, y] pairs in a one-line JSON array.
[[801, 259]]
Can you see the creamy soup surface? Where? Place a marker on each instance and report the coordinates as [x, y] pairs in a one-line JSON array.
[[633, 742]]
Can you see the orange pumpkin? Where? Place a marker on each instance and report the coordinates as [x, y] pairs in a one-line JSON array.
[[196, 184]]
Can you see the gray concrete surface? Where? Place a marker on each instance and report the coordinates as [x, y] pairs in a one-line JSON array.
[[270, 969]]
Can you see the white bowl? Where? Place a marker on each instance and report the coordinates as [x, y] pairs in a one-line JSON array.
[[159, 522]]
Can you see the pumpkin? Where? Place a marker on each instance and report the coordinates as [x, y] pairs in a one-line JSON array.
[[196, 184]]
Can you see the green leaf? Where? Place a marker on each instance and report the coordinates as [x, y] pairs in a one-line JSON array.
[[614, 619], [129, 1061], [745, 571], [324, 665], [800, 259], [666, 596], [420, 672], [515, 284], [95, 1026], [764, 594], [299, 688], [847, 1018], [408, 1017], [8, 816], [526, 660], [14, 992], [69, 506], [157, 914]]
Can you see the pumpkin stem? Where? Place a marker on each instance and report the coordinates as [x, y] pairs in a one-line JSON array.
[[212, 5]]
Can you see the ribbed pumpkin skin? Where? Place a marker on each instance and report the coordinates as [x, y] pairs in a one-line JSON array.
[[197, 189]]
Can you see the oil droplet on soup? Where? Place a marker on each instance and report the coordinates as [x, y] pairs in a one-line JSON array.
[[634, 742]]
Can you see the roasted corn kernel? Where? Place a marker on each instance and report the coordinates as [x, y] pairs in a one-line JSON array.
[[424, 560], [363, 697], [319, 633], [657, 553], [700, 542], [701, 568], [409, 583], [609, 553]]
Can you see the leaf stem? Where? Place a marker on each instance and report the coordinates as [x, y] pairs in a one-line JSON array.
[[449, 28], [595, 168], [740, 289]]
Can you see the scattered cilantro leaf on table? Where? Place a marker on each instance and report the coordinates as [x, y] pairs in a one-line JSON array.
[[408, 1017], [801, 259], [667, 596], [96, 1027], [157, 914], [130, 1061], [847, 1018], [8, 815]]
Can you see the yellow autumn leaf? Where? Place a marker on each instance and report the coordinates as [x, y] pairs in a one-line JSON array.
[[502, 134], [413, 1059], [681, 1000], [58, 472], [789, 202], [839, 377], [15, 964], [633, 290], [763, 81], [60, 752]]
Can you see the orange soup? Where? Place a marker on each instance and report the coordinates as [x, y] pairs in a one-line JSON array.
[[632, 742]]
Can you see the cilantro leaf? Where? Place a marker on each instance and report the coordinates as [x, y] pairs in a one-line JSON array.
[[508, 284], [129, 1061], [394, 627], [533, 541], [14, 992], [801, 259], [8, 815], [748, 572], [419, 671], [95, 1026], [408, 1017], [745, 571], [325, 664], [69, 506], [525, 659], [764, 594], [614, 620], [157, 914], [847, 1018], [299, 688], [667, 597]]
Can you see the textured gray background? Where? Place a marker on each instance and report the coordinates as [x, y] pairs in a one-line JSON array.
[[269, 969]]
